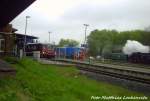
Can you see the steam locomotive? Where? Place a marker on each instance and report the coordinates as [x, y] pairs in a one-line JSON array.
[[138, 57]]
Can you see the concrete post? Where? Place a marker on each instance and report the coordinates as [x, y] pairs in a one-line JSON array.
[[21, 53], [36, 55]]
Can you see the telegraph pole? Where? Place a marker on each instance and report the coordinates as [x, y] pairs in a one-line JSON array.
[[49, 36], [24, 47], [86, 25]]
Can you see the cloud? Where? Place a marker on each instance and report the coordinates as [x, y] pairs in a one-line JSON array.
[[65, 18], [129, 12]]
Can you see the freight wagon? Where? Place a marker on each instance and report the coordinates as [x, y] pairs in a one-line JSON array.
[[119, 57], [70, 52]]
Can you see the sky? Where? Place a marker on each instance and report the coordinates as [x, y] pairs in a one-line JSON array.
[[65, 18]]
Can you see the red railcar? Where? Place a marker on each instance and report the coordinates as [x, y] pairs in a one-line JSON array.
[[45, 51]]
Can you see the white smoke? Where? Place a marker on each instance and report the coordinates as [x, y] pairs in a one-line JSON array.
[[132, 46], [147, 29]]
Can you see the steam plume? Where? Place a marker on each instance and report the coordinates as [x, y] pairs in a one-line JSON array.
[[132, 46]]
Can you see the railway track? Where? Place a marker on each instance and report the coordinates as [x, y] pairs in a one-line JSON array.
[[124, 64], [114, 74], [141, 75]]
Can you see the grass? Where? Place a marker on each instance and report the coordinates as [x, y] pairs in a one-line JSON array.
[[37, 82]]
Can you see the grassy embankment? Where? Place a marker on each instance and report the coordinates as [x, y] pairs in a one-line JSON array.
[[37, 82]]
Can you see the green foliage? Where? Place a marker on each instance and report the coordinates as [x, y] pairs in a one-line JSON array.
[[68, 42], [37, 82], [99, 40], [103, 42]]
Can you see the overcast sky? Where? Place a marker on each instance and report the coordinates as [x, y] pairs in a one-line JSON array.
[[65, 18]]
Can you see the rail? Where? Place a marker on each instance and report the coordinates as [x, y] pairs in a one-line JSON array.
[[129, 73]]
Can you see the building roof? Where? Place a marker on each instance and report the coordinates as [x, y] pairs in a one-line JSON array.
[[9, 9], [19, 35], [23, 35]]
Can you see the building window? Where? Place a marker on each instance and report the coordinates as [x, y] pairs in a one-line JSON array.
[[2, 45]]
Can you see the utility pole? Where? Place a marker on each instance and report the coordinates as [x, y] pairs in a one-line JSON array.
[[86, 25], [49, 36], [27, 17]]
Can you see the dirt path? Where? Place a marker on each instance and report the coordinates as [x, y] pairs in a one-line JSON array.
[[6, 69]]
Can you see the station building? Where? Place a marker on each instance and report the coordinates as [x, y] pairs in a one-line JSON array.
[[11, 42]]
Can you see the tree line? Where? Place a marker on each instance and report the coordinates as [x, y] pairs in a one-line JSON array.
[[68, 43], [101, 42], [104, 42]]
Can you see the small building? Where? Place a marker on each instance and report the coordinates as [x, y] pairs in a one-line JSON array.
[[19, 41], [11, 42]]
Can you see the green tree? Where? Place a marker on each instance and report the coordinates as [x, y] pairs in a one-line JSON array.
[[68, 43], [98, 40]]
